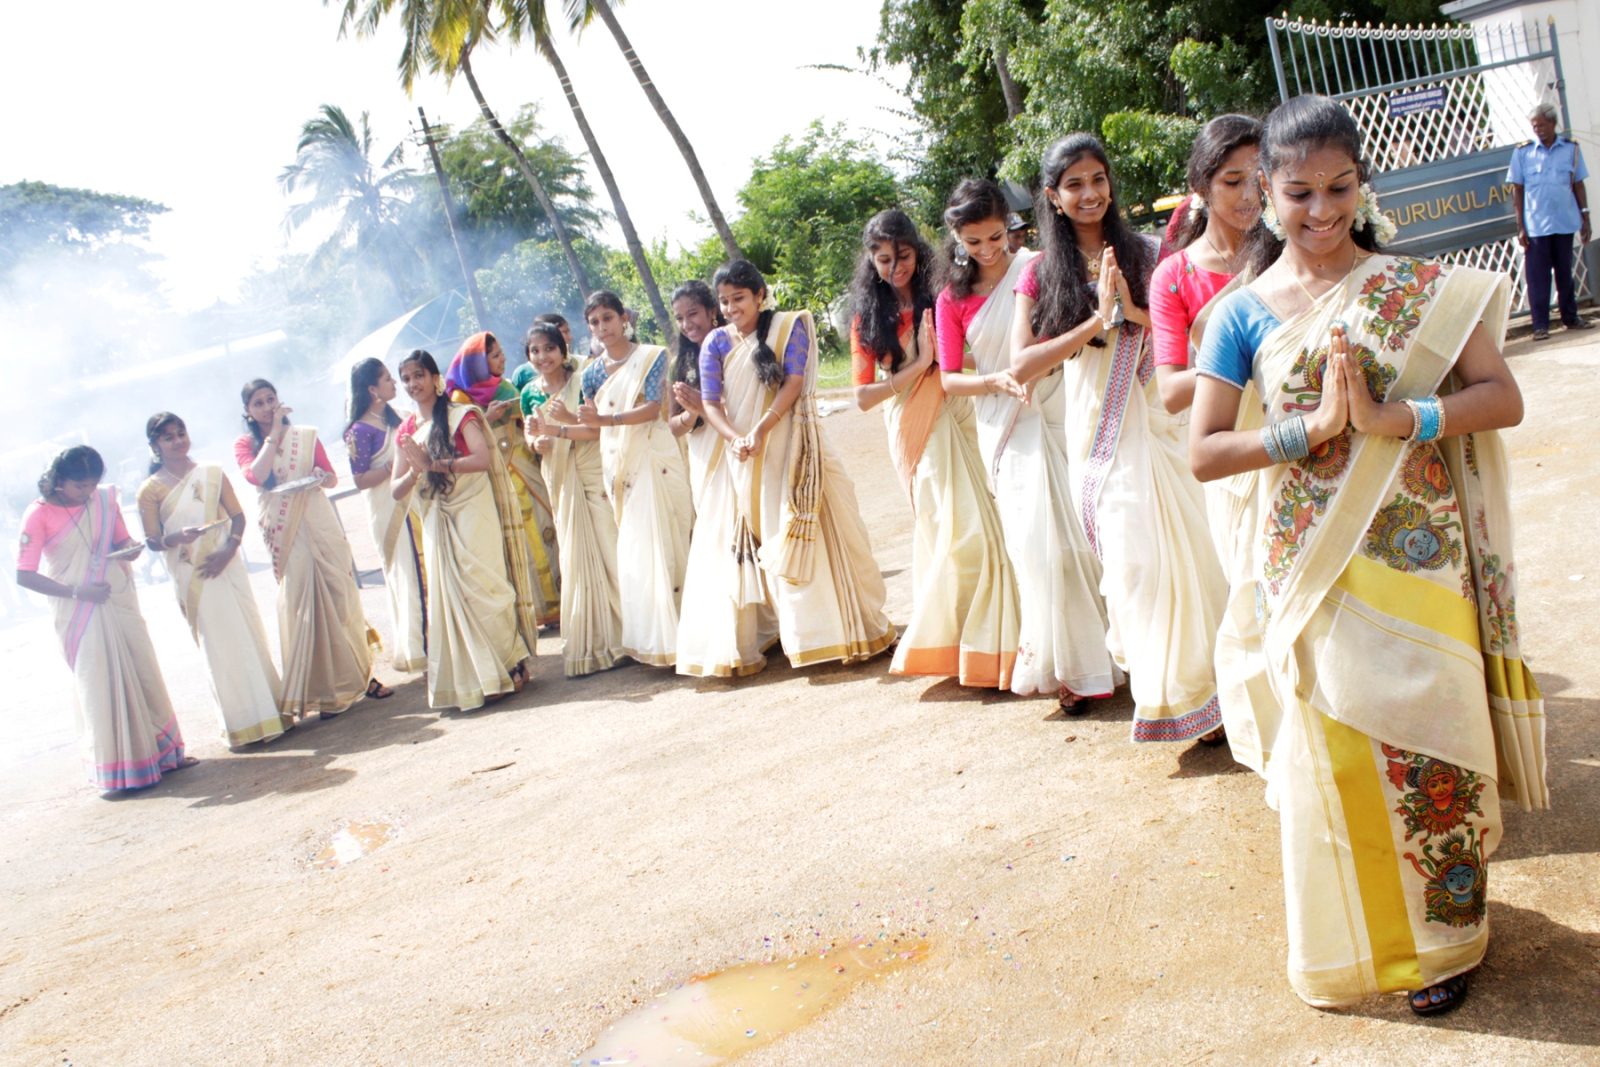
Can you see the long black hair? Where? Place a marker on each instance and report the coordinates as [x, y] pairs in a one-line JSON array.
[[1296, 128], [80, 463], [250, 389], [1063, 273], [742, 274], [973, 201], [1217, 140], [441, 443], [874, 301], [686, 363], [153, 428], [551, 332], [363, 376]]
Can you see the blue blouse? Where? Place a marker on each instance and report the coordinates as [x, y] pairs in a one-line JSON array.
[[655, 382], [719, 343], [1234, 334]]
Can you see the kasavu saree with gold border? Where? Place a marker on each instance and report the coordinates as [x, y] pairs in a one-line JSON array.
[[1386, 587], [780, 552], [1144, 515], [397, 531], [222, 613], [323, 634], [127, 730], [648, 486], [533, 498], [586, 527], [473, 637], [965, 609]]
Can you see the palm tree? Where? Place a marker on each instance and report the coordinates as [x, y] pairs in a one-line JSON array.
[[528, 18], [581, 12], [425, 21], [334, 160]]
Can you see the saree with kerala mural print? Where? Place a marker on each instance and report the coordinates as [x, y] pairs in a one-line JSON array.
[[586, 526], [965, 610], [470, 382], [1061, 641], [396, 529], [221, 611], [650, 499], [326, 643], [479, 630], [1144, 515], [780, 551], [128, 731], [1387, 591]]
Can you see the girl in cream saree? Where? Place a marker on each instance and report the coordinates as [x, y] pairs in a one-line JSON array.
[[395, 524], [780, 551], [623, 394], [1062, 637], [324, 638], [481, 625], [1142, 510], [1384, 576], [476, 377], [965, 611], [591, 600], [129, 733], [190, 514]]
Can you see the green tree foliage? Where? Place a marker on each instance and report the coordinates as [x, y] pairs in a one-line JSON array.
[[36, 217], [1139, 73], [804, 208], [532, 279]]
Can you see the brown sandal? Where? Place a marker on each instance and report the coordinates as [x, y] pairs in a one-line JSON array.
[[377, 690]]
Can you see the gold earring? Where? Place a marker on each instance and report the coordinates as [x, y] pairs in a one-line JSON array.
[[438, 387]]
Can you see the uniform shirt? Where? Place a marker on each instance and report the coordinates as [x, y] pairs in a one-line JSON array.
[[1546, 175]]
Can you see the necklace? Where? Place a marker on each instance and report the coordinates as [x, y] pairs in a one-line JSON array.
[[1228, 261], [1094, 261]]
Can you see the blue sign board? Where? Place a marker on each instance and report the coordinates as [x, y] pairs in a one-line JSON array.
[[1430, 99], [1455, 203]]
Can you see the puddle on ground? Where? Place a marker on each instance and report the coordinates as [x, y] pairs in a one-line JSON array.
[[719, 1016], [352, 841]]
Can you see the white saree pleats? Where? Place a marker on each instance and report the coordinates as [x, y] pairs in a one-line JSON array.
[[326, 643], [127, 729], [965, 616], [650, 496], [586, 527], [222, 614], [397, 531], [1144, 513], [473, 638], [1062, 635], [735, 606]]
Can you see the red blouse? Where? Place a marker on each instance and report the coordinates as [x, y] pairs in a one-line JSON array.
[[245, 449]]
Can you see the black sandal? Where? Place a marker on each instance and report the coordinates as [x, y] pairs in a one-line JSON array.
[[1071, 703], [378, 691], [1438, 999]]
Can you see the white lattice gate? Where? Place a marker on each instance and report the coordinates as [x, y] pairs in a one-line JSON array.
[[1441, 109]]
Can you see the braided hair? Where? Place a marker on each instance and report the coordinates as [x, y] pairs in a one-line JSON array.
[[875, 302], [742, 274], [441, 444]]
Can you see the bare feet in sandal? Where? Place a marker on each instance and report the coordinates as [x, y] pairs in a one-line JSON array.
[[187, 761], [1071, 703], [377, 690], [1216, 737]]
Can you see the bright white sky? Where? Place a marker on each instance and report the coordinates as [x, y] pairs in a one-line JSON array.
[[197, 104]]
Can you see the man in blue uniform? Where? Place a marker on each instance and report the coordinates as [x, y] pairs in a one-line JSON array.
[[1546, 179]]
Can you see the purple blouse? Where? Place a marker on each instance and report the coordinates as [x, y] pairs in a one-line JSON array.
[[364, 441], [719, 343]]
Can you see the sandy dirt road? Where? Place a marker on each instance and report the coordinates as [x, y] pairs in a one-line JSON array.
[[564, 855]]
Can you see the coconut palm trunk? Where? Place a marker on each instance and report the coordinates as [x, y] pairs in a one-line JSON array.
[[603, 9], [539, 193], [631, 235]]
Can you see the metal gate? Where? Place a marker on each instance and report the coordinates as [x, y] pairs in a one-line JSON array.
[[1442, 109]]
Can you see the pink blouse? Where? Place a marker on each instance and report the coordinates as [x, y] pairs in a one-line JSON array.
[[245, 449], [953, 317], [44, 522], [1178, 291]]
